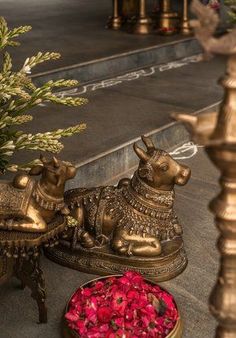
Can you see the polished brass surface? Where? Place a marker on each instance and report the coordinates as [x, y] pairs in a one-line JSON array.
[[185, 27], [20, 257], [104, 261], [143, 25], [168, 19], [32, 215], [133, 224], [129, 8], [218, 133], [69, 333], [28, 205], [131, 15], [115, 21]]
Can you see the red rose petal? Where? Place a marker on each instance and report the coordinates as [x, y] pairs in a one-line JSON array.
[[117, 306]]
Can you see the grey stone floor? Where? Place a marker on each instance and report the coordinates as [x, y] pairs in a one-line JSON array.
[[191, 289], [75, 28], [119, 113]]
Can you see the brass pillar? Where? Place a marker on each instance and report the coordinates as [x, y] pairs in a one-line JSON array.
[[168, 20], [223, 155], [217, 131], [129, 8], [115, 21], [185, 27], [218, 135], [143, 25]]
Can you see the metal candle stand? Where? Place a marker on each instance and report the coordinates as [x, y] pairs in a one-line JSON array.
[[167, 22], [217, 132], [143, 24]]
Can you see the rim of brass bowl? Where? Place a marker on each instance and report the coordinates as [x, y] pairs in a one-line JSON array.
[[69, 333]]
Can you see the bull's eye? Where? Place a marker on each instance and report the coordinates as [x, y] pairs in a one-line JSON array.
[[164, 167]]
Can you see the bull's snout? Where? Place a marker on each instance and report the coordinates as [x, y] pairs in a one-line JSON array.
[[183, 175]]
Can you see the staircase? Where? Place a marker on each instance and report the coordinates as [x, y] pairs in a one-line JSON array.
[[133, 83]]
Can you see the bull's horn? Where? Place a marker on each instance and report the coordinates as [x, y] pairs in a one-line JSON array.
[[56, 162], [141, 153], [43, 159], [148, 142], [189, 119]]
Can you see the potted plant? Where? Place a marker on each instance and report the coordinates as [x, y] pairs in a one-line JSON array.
[[19, 95]]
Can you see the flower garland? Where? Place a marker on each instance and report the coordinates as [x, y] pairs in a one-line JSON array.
[[122, 307]]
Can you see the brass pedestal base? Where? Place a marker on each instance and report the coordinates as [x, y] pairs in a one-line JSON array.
[[167, 23], [114, 23], [103, 261], [185, 28], [142, 26]]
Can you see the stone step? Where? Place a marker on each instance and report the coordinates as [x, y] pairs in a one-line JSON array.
[[123, 108], [120, 63], [76, 29], [109, 167]]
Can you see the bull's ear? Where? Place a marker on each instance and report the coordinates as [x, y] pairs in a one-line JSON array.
[[36, 170], [146, 172]]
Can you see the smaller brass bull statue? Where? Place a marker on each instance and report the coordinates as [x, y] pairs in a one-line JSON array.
[[135, 217], [28, 205]]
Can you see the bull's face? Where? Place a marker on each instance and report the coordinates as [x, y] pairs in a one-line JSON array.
[[158, 169], [54, 172]]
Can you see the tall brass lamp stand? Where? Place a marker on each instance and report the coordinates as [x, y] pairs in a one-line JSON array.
[[217, 131], [168, 20], [143, 24], [115, 21], [185, 28], [131, 15]]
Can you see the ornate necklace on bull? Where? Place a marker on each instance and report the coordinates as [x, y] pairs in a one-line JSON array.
[[152, 210], [47, 202]]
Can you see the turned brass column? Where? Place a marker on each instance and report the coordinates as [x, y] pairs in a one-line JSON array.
[[217, 131], [143, 25], [129, 8], [115, 21], [167, 22], [223, 155], [185, 27]]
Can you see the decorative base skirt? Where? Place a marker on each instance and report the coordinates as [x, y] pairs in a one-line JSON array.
[[103, 261]]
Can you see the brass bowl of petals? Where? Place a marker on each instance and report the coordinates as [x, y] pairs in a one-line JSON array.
[[122, 306]]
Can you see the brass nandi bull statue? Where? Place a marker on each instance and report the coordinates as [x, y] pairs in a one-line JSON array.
[[27, 205], [136, 217]]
